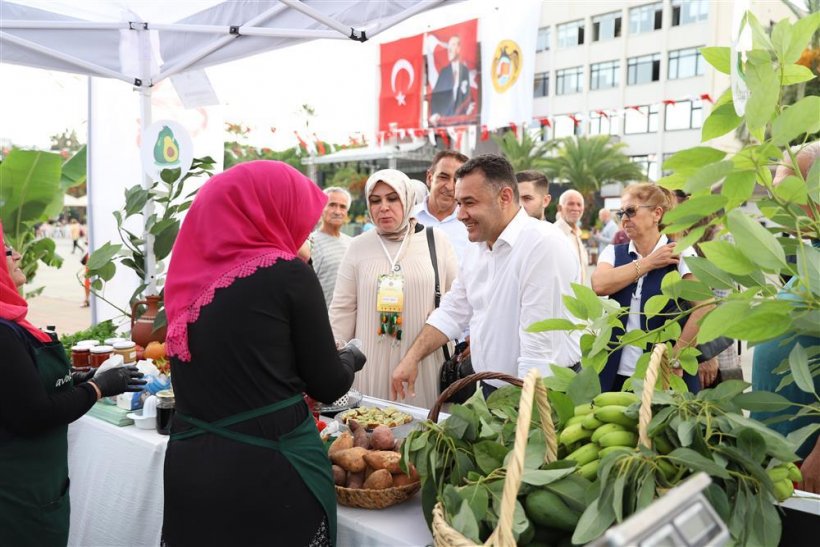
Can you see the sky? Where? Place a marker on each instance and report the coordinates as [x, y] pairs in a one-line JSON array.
[[338, 78]]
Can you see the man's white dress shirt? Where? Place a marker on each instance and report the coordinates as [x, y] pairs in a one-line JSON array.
[[499, 292], [453, 228]]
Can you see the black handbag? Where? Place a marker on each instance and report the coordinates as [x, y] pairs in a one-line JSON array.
[[454, 368]]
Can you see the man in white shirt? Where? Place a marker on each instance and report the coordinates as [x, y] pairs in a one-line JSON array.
[[439, 209], [604, 237], [533, 193], [515, 275], [571, 207], [328, 243]]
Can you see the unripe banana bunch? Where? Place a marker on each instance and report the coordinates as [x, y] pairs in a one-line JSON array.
[[784, 476], [599, 428]]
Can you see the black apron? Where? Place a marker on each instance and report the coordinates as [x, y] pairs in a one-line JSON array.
[[34, 504], [301, 446]]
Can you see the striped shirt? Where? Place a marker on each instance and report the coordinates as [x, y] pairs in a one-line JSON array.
[[326, 254]]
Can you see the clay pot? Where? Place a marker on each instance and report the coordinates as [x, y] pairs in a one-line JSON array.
[[142, 329]]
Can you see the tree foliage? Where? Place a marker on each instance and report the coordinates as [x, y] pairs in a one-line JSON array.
[[526, 153]]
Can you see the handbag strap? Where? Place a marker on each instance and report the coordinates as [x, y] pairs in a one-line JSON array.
[[431, 244]]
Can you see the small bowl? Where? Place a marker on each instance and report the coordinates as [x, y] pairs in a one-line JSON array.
[[143, 422]]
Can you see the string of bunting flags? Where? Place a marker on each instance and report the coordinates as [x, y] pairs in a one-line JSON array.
[[453, 136]]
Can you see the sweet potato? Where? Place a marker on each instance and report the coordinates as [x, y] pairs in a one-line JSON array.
[[379, 480], [339, 476], [360, 436], [342, 442], [382, 438], [400, 479], [350, 459], [355, 480], [383, 459]]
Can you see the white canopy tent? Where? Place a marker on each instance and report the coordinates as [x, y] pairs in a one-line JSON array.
[[145, 42]]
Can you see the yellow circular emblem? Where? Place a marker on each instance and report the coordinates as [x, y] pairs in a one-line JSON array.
[[506, 65]]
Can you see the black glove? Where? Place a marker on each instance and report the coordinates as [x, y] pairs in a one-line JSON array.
[[352, 357], [119, 380], [80, 377]]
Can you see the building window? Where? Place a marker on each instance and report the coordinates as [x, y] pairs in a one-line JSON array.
[[648, 164], [542, 85], [685, 12], [604, 75], [646, 18], [641, 119], [571, 34], [685, 63], [569, 80], [602, 123], [564, 126], [543, 40], [606, 26], [683, 115], [643, 69]]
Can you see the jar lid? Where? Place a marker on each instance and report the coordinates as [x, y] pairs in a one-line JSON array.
[[124, 344], [165, 393], [101, 349], [88, 343], [112, 341], [80, 347]]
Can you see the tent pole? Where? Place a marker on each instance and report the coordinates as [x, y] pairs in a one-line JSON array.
[[145, 122]]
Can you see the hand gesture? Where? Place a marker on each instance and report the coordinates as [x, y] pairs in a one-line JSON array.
[[405, 372], [660, 257]]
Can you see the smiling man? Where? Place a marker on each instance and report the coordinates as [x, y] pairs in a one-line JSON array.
[[515, 275], [328, 243], [439, 209], [571, 207]]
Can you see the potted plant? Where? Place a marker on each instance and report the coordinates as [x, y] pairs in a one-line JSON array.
[[146, 311]]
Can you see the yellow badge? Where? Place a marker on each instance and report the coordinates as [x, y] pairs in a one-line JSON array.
[[506, 65], [390, 297]]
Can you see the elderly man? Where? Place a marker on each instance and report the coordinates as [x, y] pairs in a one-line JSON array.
[[534, 193], [328, 243], [571, 207], [439, 208], [607, 233], [515, 275]]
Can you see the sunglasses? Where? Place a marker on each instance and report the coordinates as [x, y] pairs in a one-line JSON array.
[[630, 212], [9, 250]]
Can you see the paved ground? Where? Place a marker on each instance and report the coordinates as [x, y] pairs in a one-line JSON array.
[[60, 302]]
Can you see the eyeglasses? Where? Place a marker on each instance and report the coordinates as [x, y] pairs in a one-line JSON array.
[[630, 212]]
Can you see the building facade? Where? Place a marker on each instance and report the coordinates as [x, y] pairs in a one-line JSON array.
[[632, 69]]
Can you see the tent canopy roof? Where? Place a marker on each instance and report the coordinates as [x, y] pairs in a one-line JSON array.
[[145, 42]]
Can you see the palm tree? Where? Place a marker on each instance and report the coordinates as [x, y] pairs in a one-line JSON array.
[[587, 163], [523, 155]]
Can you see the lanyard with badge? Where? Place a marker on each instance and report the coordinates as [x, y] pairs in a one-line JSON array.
[[390, 295]]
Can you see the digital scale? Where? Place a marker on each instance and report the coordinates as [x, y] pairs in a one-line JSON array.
[[681, 518]]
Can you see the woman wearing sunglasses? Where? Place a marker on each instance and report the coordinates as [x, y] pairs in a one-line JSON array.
[[39, 397], [631, 273]]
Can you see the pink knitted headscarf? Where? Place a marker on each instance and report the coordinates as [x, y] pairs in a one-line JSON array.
[[246, 218]]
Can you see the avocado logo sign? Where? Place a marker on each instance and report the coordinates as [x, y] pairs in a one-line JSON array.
[[506, 65], [166, 146]]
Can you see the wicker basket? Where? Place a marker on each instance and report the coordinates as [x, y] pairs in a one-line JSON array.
[[375, 499], [658, 365], [446, 536]]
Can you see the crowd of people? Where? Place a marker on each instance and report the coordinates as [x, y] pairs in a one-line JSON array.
[[261, 311]]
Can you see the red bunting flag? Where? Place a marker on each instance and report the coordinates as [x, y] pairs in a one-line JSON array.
[[668, 102], [302, 143], [706, 97], [514, 128], [485, 133], [320, 146], [441, 132], [602, 113], [575, 121], [545, 122]]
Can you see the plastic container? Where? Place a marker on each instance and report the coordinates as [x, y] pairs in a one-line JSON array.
[[99, 354], [127, 349], [80, 356]]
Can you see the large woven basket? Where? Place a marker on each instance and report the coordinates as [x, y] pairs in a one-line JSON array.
[[445, 535], [658, 365], [375, 499]]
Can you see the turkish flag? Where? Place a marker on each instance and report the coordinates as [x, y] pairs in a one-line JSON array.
[[401, 83]]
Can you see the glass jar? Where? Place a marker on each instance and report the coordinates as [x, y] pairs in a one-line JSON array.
[[112, 341], [127, 349], [165, 411], [80, 356], [88, 343], [98, 355]]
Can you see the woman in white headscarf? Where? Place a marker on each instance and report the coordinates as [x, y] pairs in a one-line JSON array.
[[385, 288]]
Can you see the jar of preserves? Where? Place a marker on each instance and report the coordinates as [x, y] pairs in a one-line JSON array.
[[112, 341], [88, 343], [98, 355], [165, 411], [127, 349], [80, 356]]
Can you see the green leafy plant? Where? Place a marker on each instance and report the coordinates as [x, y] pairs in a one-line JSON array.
[[525, 153], [171, 203]]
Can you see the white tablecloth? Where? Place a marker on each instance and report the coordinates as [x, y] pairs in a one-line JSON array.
[[117, 497]]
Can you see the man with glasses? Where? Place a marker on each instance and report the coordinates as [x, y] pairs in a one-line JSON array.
[[514, 275]]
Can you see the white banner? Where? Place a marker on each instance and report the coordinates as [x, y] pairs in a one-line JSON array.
[[508, 40]]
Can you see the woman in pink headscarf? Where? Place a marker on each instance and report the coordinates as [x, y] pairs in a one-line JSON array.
[[248, 333]]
